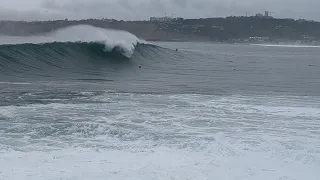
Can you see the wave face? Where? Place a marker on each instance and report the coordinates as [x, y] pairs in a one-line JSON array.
[[111, 39], [73, 51]]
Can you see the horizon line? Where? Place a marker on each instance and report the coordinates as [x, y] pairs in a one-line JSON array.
[[148, 20]]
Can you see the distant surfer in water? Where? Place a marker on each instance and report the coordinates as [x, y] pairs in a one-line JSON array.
[[176, 49], [140, 66]]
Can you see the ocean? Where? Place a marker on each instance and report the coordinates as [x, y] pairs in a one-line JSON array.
[[85, 103]]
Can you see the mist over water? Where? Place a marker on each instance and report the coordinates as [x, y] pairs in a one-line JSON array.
[[74, 104]]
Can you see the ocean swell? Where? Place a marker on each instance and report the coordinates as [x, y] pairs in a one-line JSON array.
[[112, 40], [79, 52]]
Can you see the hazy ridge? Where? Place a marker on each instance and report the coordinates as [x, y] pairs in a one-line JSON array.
[[230, 29]]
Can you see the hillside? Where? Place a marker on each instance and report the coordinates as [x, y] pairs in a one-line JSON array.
[[230, 29]]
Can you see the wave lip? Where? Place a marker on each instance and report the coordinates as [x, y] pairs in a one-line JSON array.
[[73, 53], [113, 40], [79, 61]]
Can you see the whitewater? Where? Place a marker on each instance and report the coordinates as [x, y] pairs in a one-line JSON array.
[[88, 103], [82, 33]]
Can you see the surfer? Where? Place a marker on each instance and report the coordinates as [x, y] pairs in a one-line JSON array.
[[140, 66]]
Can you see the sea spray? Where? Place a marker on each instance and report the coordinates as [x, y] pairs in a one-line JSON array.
[[112, 39]]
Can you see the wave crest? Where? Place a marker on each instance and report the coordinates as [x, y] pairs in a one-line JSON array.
[[70, 60], [113, 40]]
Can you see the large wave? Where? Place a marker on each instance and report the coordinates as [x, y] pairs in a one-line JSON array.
[[112, 40], [72, 52]]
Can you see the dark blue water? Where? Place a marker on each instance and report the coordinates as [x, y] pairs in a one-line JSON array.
[[196, 68], [78, 111]]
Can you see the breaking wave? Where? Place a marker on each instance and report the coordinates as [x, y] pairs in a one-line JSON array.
[[111, 40], [78, 49]]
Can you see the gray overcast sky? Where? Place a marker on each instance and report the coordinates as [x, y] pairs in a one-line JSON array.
[[143, 9]]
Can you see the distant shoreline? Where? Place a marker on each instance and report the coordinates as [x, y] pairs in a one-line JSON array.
[[222, 30]]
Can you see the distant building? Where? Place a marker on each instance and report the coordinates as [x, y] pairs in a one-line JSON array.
[[179, 19], [161, 19], [302, 20], [259, 15], [265, 15], [259, 39]]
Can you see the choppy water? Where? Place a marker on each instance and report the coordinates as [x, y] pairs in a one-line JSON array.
[[207, 111]]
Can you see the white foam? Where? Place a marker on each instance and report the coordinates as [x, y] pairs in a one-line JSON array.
[[156, 163], [15, 83], [132, 136], [82, 33]]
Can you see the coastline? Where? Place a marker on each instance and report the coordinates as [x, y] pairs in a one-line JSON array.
[[219, 30]]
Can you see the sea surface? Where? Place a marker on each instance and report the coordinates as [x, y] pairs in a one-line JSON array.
[[84, 103]]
